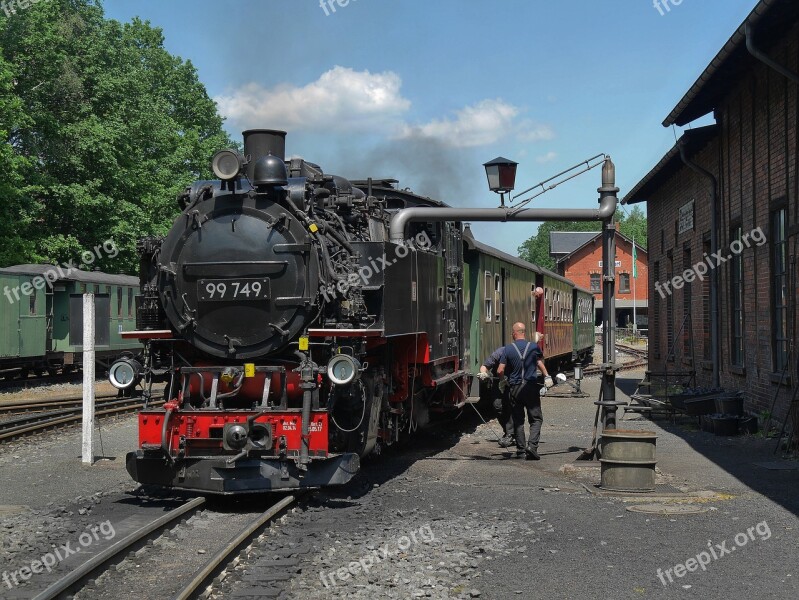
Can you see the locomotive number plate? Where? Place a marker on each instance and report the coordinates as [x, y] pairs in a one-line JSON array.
[[232, 289]]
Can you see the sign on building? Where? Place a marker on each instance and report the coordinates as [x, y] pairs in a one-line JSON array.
[[686, 222]]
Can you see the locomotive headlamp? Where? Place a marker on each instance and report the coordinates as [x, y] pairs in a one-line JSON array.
[[124, 373], [227, 164], [343, 369]]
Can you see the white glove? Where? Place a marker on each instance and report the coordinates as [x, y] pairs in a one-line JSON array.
[[543, 391], [483, 376], [548, 381]]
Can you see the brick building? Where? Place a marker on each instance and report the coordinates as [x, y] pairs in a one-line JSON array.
[[578, 256], [747, 167]]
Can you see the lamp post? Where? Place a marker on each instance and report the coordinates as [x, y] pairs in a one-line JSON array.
[[501, 174]]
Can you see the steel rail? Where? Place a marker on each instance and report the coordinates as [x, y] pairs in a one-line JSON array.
[[205, 574], [115, 551], [17, 431], [33, 410]]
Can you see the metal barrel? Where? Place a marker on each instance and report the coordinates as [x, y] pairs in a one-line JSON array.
[[628, 460]]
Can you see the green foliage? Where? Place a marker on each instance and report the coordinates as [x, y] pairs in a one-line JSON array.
[[536, 248], [104, 128]]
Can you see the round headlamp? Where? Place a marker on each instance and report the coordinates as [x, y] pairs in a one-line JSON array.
[[227, 164], [343, 369], [124, 373]]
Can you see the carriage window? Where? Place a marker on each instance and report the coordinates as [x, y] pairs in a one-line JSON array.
[[532, 303], [497, 296], [548, 304], [33, 302], [130, 302], [487, 293], [119, 302]]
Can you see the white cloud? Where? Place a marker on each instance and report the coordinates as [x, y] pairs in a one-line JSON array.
[[546, 158], [340, 100], [484, 123], [343, 100]]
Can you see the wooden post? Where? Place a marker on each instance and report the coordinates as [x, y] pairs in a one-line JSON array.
[[88, 379]]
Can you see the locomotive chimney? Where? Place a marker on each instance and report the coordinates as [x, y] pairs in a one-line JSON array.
[[260, 142]]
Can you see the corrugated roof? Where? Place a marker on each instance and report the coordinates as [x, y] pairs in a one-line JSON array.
[[769, 19], [566, 242], [65, 274], [695, 140]]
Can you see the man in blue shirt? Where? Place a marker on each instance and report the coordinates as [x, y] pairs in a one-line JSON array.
[[501, 396], [524, 363]]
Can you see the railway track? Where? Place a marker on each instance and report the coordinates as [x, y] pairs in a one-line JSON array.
[[48, 419], [142, 542]]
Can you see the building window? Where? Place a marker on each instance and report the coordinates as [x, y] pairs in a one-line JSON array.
[[687, 299], [595, 287], [655, 331], [670, 313], [706, 303], [737, 303], [624, 283], [779, 297]]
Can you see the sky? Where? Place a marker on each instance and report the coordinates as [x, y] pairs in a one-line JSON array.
[[426, 91]]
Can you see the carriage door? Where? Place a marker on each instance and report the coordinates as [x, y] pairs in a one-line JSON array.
[[454, 280], [503, 315], [48, 316]]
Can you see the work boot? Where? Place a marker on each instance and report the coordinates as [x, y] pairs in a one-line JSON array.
[[507, 441], [532, 453]]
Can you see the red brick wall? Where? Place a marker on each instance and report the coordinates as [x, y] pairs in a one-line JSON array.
[[583, 263], [755, 160]]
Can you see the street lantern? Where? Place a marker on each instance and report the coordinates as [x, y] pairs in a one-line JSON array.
[[501, 174]]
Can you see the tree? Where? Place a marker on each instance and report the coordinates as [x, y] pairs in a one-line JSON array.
[[536, 249], [113, 127]]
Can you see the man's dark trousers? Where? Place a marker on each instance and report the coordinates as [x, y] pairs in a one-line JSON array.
[[504, 412], [526, 396]]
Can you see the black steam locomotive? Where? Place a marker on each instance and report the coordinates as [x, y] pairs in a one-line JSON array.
[[295, 336]]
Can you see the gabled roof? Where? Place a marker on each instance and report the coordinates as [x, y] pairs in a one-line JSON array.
[[598, 234], [695, 140], [769, 20], [565, 242]]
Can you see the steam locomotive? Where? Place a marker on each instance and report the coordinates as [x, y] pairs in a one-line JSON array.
[[295, 337]]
